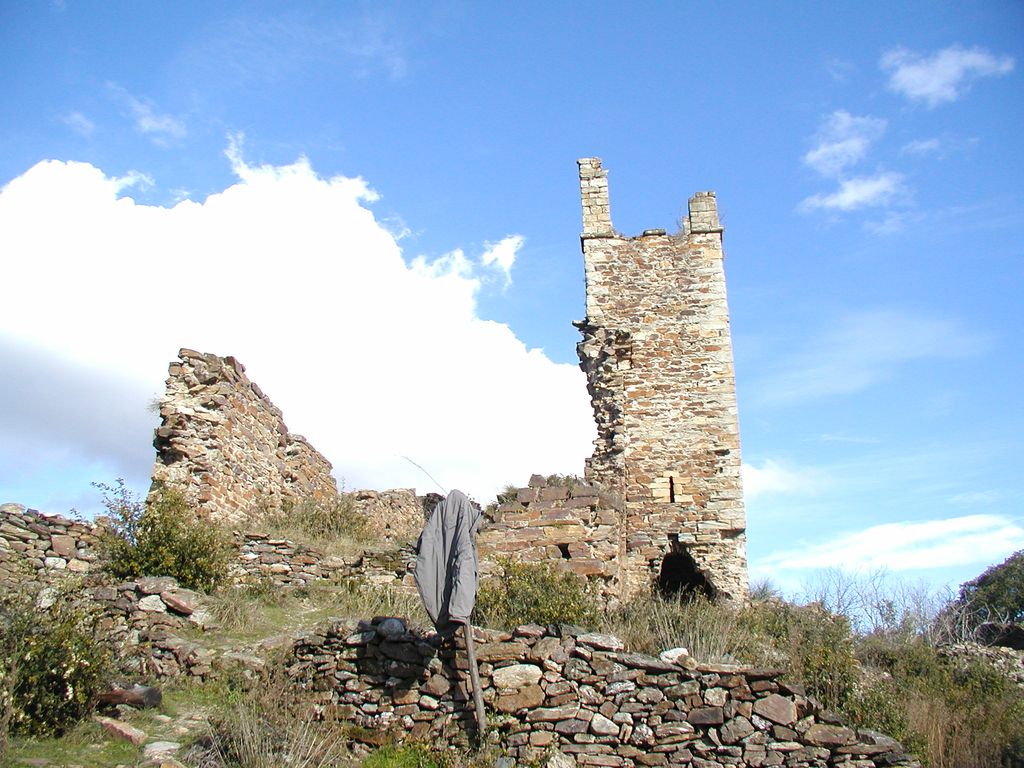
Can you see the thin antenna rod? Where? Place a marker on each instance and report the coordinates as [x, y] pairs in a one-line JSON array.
[[421, 469]]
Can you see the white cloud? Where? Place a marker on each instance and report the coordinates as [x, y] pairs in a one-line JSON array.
[[905, 546], [860, 192], [921, 147], [843, 140], [162, 129], [371, 357], [502, 255], [834, 438], [892, 222], [859, 351], [79, 123], [774, 477], [249, 50], [839, 69], [945, 75], [976, 498]]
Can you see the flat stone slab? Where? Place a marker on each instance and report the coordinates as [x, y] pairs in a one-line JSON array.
[[517, 676], [121, 730], [778, 709], [160, 748], [821, 735], [601, 642]]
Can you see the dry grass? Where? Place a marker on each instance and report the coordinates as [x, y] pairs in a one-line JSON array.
[[263, 728], [258, 609], [710, 632], [354, 598], [334, 528]]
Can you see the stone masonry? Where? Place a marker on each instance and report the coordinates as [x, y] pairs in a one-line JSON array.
[[657, 353], [570, 526], [559, 689], [225, 444]]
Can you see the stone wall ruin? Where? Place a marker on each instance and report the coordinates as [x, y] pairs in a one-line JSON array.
[[225, 445], [662, 503], [657, 353], [558, 689]]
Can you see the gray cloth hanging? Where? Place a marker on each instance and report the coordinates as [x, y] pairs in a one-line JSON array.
[[446, 563]]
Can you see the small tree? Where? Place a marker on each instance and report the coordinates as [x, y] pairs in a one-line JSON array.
[[162, 537], [998, 593]]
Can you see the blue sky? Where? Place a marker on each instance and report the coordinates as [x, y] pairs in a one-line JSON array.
[[374, 206]]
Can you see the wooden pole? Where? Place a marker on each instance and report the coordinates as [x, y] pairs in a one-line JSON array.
[[474, 675]]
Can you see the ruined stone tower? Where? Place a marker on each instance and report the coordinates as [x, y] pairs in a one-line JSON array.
[[657, 354]]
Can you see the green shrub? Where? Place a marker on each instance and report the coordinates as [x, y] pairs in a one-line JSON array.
[[404, 756], [54, 661], [814, 644], [535, 593], [998, 593], [162, 537], [952, 713]]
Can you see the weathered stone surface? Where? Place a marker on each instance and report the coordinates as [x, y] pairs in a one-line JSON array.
[[602, 642], [551, 714], [823, 735], [517, 676], [736, 729], [160, 749], [63, 545], [706, 716], [391, 629], [602, 726], [437, 685], [152, 603], [777, 709], [557, 759], [121, 730], [178, 602], [527, 697], [225, 445], [500, 651], [154, 585]]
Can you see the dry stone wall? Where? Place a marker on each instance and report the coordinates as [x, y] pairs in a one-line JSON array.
[[657, 353], [571, 526], [46, 544], [285, 563], [46, 547], [226, 446], [395, 515], [580, 694]]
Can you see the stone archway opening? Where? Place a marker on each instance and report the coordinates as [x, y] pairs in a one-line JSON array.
[[681, 577]]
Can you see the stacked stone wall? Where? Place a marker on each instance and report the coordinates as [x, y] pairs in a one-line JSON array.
[[657, 353], [285, 563], [558, 689], [44, 545], [395, 515], [570, 526], [226, 446]]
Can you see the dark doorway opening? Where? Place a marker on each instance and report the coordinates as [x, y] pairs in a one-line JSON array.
[[564, 549], [680, 576]]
